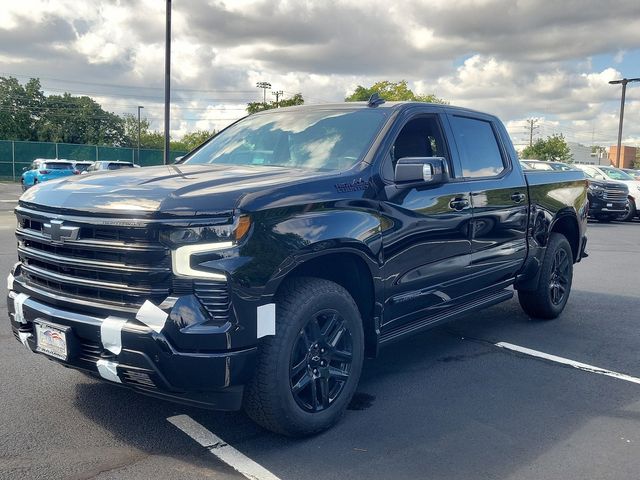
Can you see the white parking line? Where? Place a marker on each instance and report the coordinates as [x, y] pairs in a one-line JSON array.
[[221, 449], [566, 361]]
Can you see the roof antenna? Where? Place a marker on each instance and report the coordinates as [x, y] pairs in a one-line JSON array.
[[375, 100]]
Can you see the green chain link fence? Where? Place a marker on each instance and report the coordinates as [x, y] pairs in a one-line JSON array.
[[15, 156]]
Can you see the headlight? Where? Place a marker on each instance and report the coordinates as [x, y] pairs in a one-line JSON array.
[[231, 232], [596, 190], [186, 242]]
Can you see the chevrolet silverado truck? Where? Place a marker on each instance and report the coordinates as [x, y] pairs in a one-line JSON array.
[[262, 269]]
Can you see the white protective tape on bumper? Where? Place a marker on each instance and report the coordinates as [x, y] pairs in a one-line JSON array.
[[108, 370], [152, 316], [18, 302], [23, 338], [111, 334], [266, 320], [10, 279]]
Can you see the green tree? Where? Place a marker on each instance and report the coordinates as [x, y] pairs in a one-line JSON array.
[[254, 107], [554, 148], [193, 139], [20, 109], [391, 91], [70, 119]]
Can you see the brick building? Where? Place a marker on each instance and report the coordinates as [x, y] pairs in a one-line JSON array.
[[627, 156]]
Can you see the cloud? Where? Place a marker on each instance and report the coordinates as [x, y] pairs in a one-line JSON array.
[[546, 59]]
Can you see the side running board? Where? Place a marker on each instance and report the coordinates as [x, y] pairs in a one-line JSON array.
[[429, 322]]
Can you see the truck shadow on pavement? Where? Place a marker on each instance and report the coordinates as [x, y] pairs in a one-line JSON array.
[[444, 404]]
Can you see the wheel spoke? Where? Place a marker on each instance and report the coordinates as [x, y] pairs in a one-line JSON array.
[[330, 326], [341, 356], [314, 394], [296, 369], [305, 339], [324, 391], [314, 328], [302, 383], [338, 375]]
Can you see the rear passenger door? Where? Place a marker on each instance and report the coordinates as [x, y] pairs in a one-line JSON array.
[[498, 198]]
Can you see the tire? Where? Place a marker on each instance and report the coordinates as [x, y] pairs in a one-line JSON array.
[[630, 211], [548, 300], [285, 395]]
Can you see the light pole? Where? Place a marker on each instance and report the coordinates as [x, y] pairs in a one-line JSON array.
[[624, 82], [278, 94], [264, 86], [140, 107], [167, 80]]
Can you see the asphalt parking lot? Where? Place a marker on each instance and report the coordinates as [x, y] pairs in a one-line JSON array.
[[446, 404]]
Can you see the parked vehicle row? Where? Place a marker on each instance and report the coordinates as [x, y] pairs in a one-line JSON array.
[[614, 193], [44, 169]]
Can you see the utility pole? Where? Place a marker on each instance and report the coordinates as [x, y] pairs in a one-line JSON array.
[[264, 86], [278, 94], [167, 80], [624, 82], [531, 127], [140, 107]]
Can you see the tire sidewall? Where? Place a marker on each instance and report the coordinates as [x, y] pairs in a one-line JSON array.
[[320, 420]]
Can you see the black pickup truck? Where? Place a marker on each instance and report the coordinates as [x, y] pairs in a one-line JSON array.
[[262, 269]]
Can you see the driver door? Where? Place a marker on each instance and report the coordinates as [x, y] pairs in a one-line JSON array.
[[426, 238]]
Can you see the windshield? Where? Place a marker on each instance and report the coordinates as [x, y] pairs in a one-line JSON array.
[[616, 174], [313, 139]]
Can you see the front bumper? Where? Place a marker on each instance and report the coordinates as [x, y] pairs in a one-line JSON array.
[[600, 207], [147, 360]]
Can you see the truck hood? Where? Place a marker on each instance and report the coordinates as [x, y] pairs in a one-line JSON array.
[[165, 191]]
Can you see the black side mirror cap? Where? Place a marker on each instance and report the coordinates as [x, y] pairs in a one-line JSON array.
[[416, 171]]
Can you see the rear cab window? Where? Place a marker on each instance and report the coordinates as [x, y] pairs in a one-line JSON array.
[[58, 166], [478, 147]]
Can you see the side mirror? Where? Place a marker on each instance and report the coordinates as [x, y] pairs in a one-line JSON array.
[[416, 171]]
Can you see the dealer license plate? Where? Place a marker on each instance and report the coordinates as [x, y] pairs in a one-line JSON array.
[[51, 339]]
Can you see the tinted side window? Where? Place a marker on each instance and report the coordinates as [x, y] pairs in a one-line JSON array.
[[478, 146]]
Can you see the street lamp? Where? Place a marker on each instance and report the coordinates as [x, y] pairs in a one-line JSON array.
[[264, 86], [140, 107], [167, 81], [624, 82]]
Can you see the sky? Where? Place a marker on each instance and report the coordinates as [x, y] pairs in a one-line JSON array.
[[519, 59]]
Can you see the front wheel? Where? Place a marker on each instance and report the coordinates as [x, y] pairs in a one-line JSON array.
[[548, 300], [309, 370], [629, 211]]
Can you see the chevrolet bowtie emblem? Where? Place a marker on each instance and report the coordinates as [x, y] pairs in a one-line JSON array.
[[60, 232]]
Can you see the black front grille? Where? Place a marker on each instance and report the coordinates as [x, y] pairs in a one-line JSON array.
[[117, 264], [615, 195]]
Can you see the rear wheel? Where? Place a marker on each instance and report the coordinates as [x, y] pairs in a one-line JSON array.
[[308, 372], [548, 300]]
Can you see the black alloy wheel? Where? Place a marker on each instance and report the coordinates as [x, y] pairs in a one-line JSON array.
[[550, 295], [321, 361], [306, 374], [559, 281]]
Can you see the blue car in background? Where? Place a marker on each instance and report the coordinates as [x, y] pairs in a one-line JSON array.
[[43, 169]]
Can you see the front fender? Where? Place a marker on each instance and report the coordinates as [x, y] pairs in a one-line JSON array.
[[280, 240]]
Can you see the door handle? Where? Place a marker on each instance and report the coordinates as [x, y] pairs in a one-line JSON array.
[[518, 197], [459, 203]]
